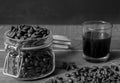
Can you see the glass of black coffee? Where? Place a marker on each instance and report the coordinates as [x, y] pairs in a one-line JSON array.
[[96, 40]]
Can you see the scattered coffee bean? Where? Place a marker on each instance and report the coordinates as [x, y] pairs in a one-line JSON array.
[[69, 66], [94, 74], [55, 80], [68, 75], [50, 81], [115, 67], [69, 80]]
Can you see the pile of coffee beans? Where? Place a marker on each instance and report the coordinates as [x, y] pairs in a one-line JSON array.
[[94, 74], [36, 63], [24, 32]]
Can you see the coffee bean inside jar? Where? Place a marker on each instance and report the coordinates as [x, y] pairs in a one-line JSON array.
[[33, 48], [36, 62]]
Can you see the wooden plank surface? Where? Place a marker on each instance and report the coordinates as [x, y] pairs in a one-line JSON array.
[[74, 32]]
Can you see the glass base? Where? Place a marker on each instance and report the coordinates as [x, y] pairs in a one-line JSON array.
[[102, 59]]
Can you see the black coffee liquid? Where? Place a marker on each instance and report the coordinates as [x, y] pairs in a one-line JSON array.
[[96, 44]]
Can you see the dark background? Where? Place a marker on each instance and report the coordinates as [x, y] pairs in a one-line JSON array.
[[58, 11]]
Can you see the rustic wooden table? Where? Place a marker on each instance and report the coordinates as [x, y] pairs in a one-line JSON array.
[[74, 32]]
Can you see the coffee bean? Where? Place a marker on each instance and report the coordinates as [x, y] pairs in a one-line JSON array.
[[12, 28], [105, 67], [59, 79], [73, 74], [38, 69], [68, 75], [31, 31], [114, 67], [49, 81], [36, 63], [11, 34], [69, 80]]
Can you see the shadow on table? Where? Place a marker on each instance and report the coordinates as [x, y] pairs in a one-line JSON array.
[[114, 55]]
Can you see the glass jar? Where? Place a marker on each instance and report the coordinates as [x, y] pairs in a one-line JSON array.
[[29, 59]]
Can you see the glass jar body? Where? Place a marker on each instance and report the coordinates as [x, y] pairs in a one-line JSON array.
[[29, 60], [37, 63]]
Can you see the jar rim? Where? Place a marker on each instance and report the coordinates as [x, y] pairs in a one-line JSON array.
[[19, 40]]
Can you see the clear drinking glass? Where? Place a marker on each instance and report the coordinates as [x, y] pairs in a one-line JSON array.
[[96, 40]]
